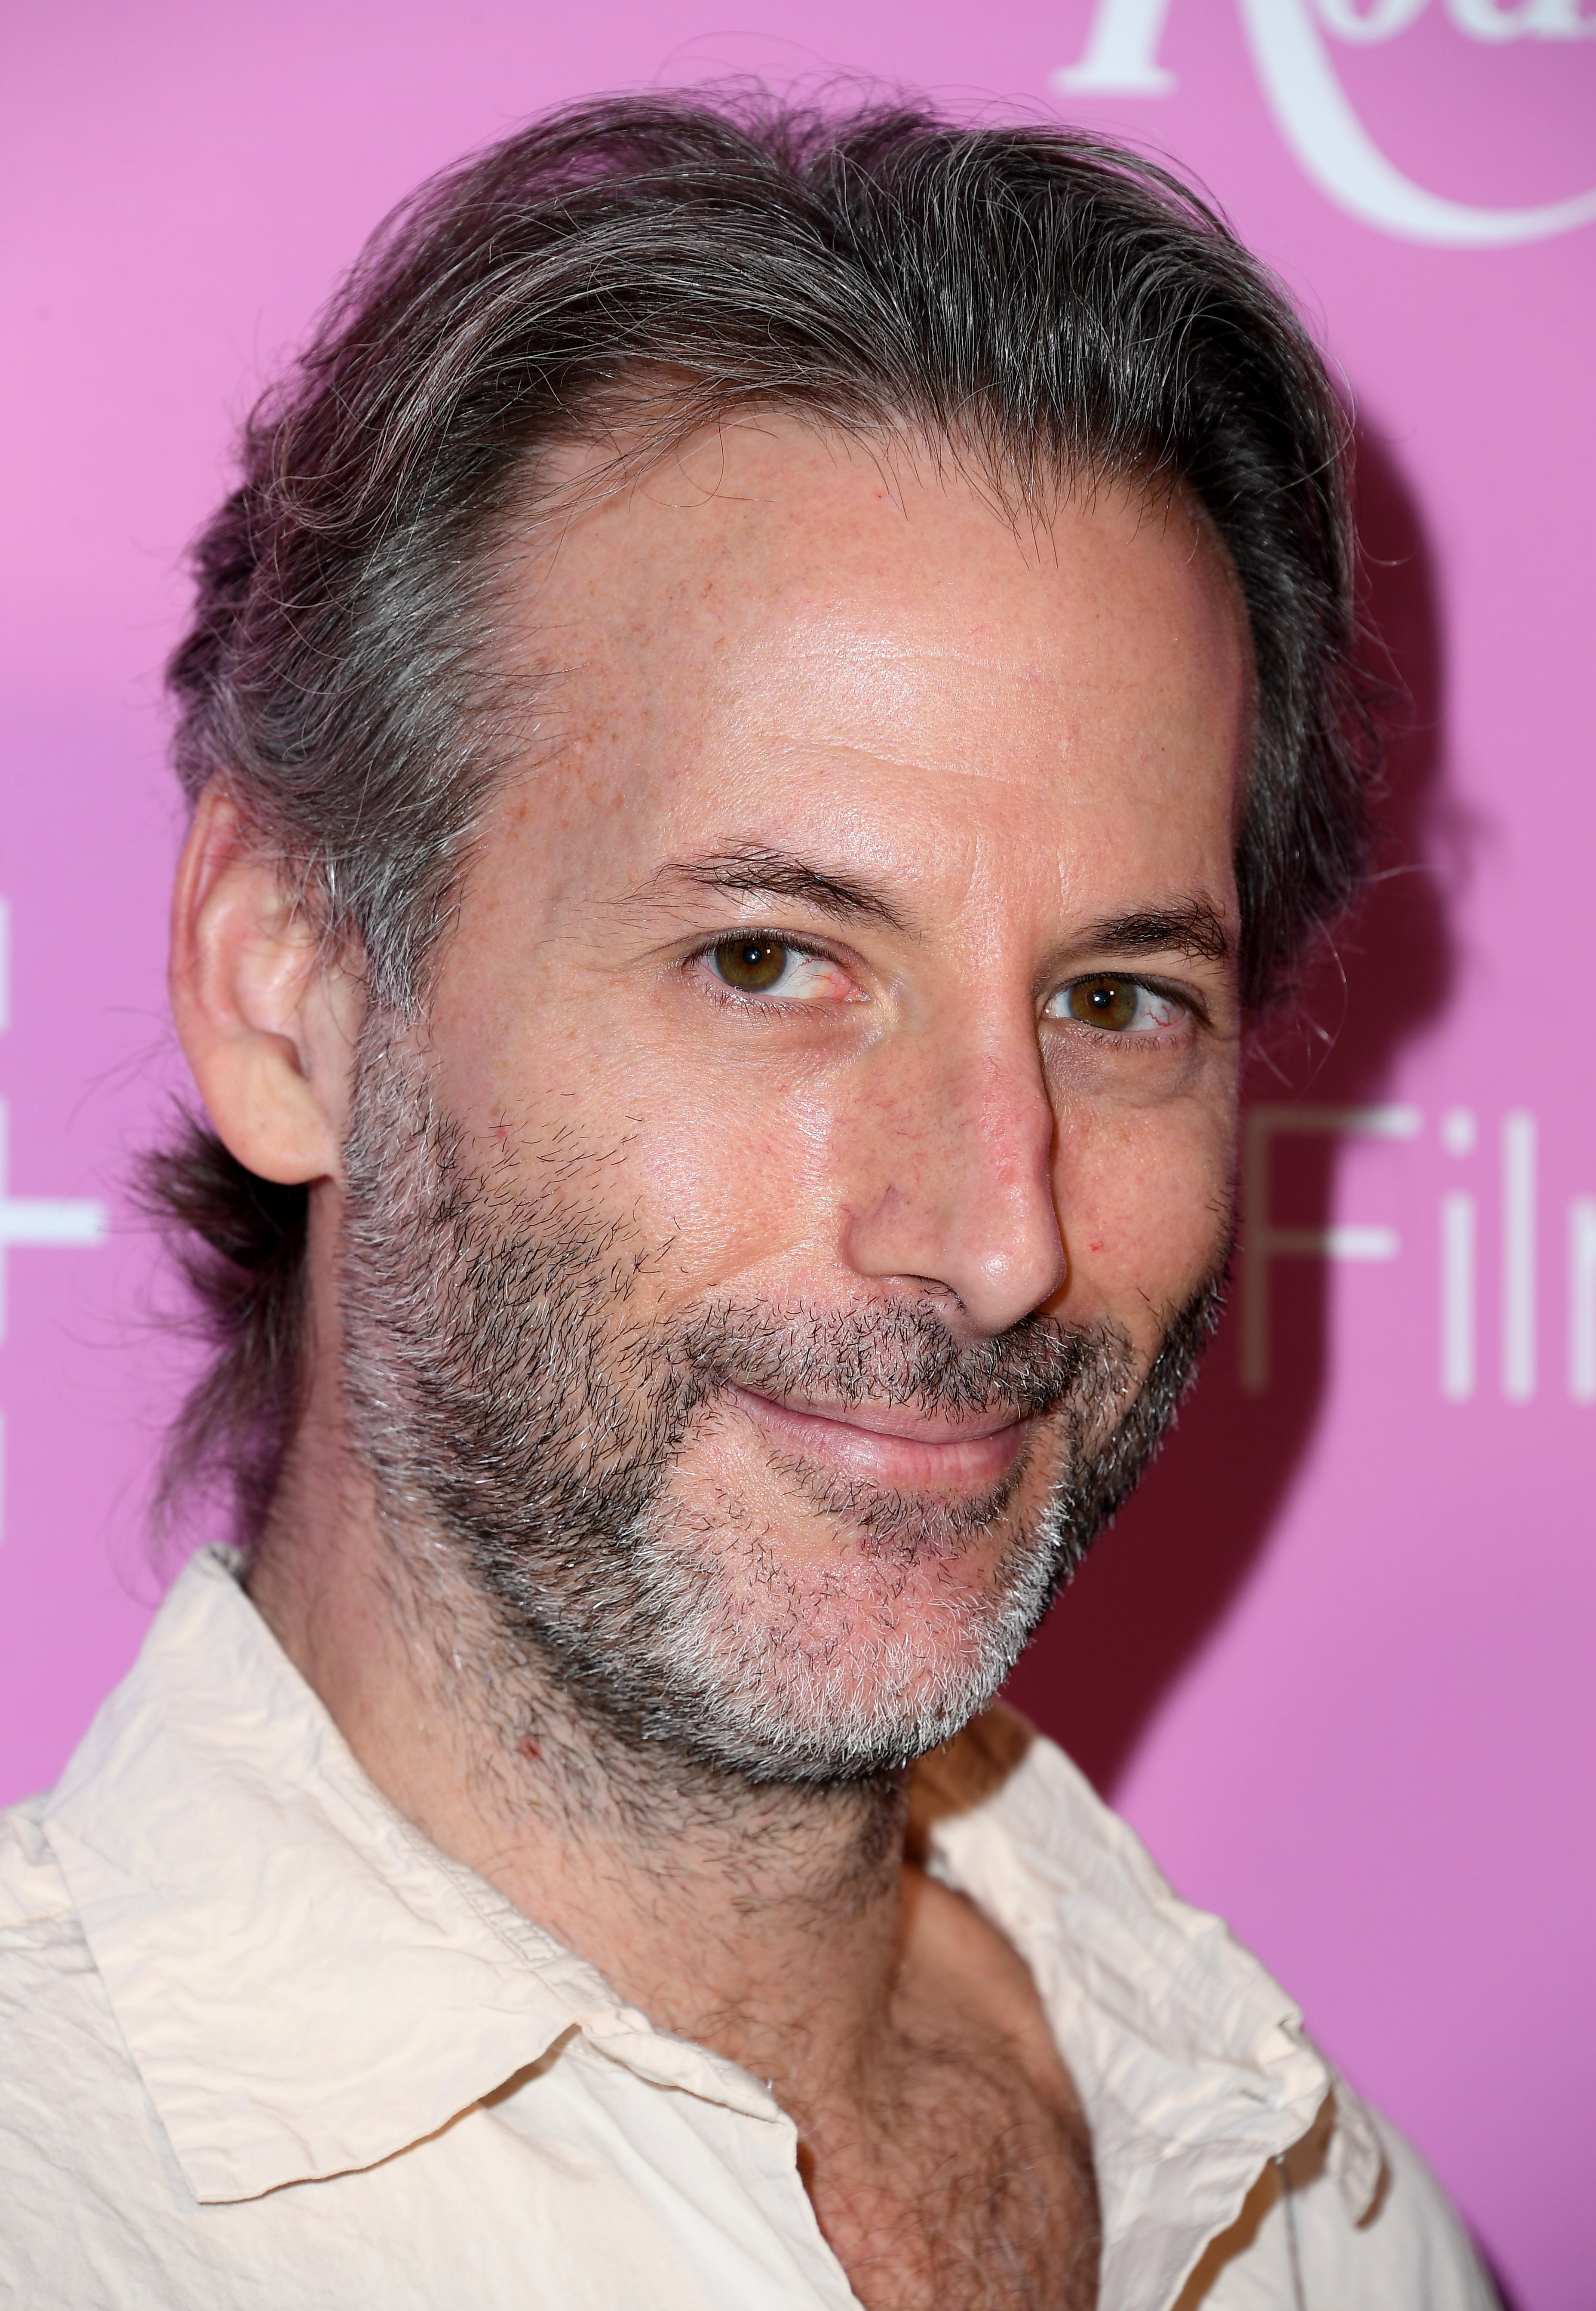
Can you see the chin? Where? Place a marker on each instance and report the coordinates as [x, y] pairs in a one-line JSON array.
[[784, 1667]]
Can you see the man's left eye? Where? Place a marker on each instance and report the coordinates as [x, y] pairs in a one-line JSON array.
[[758, 964], [1121, 1005]]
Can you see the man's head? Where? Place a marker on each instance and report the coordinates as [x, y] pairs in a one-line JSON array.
[[771, 695]]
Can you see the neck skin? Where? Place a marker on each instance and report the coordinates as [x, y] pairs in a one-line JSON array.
[[769, 1923]]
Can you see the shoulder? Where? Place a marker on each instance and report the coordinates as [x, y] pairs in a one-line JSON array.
[[48, 1978], [1413, 2232], [61, 2036], [46, 1971], [31, 1888], [1295, 2230], [80, 2145]]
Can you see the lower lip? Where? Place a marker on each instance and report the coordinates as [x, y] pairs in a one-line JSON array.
[[907, 1464]]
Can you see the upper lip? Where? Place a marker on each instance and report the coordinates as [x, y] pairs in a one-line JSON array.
[[896, 1420]]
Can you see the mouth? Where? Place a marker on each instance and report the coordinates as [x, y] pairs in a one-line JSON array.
[[893, 1445]]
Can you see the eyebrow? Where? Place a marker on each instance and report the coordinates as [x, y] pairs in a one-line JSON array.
[[1191, 928], [1194, 927], [782, 875]]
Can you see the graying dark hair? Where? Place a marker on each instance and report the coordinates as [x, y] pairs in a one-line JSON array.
[[1044, 304]]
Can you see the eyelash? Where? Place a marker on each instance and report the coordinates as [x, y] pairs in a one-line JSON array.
[[744, 999]]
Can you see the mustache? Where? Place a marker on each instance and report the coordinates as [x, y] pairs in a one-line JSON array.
[[905, 1355]]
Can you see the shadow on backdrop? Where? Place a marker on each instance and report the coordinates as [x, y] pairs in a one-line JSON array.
[[1510, 2302], [1161, 1581]]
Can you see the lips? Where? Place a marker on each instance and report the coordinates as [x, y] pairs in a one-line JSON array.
[[892, 1445]]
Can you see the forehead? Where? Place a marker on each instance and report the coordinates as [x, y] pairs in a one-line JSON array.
[[774, 604]]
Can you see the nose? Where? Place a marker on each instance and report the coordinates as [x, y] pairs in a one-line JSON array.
[[955, 1190]]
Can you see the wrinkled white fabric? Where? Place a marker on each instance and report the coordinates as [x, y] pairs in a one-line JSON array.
[[262, 2046]]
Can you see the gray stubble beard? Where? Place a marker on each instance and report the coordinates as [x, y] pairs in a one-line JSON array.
[[523, 1425]]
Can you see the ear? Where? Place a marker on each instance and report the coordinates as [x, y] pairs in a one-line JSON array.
[[267, 1020]]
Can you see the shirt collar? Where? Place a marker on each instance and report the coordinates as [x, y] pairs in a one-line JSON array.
[[1191, 2063], [307, 1985]]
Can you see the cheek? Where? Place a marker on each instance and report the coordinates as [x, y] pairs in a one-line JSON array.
[[734, 1185], [719, 1168], [1144, 1205], [725, 1175]]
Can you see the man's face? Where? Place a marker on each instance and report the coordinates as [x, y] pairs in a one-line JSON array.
[[828, 1091]]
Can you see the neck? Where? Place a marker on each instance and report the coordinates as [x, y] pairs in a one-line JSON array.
[[762, 1920]]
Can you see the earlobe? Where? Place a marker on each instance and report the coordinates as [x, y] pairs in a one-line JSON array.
[[266, 1021]]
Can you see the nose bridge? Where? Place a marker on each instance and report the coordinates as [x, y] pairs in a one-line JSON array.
[[997, 1097], [963, 1193]]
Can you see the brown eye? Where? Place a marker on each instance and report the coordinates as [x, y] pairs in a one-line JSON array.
[[752, 966], [1105, 1002]]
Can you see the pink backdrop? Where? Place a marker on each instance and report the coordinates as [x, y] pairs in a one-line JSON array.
[[1335, 1663]]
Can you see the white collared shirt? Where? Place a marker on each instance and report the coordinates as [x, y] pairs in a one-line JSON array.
[[263, 2046]]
